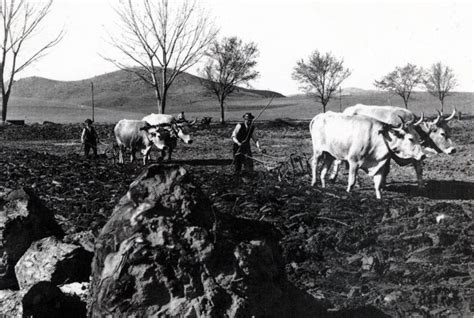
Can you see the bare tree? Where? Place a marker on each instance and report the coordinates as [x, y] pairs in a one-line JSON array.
[[402, 81], [20, 21], [159, 40], [230, 63], [321, 75], [439, 82]]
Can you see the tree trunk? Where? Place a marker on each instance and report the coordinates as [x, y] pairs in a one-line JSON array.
[[157, 95], [406, 103], [442, 106], [324, 106], [163, 103], [222, 111], [5, 99], [158, 105]]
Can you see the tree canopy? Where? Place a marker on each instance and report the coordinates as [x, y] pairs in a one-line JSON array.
[[321, 75], [231, 62]]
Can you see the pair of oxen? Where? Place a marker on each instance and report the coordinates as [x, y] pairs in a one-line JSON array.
[[158, 130], [368, 137]]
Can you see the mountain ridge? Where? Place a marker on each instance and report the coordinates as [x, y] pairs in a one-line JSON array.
[[124, 90]]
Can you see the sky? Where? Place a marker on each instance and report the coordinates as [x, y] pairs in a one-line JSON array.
[[372, 37]]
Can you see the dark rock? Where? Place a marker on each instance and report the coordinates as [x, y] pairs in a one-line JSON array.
[[52, 260], [166, 252], [46, 300], [23, 220]]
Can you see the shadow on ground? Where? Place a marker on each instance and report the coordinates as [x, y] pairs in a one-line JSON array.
[[438, 190]]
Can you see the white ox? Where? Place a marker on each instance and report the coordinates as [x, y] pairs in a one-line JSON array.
[[178, 129], [434, 135], [139, 135], [364, 142]]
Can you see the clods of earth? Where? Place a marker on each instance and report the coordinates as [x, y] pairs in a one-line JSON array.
[[409, 254]]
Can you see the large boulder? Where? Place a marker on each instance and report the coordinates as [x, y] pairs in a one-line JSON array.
[[166, 252], [52, 260], [23, 220]]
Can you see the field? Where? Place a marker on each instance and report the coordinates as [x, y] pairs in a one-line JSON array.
[[295, 107], [409, 254]]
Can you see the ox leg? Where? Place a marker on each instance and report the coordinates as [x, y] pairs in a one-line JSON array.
[[314, 165], [146, 155], [353, 168], [378, 181], [418, 164], [335, 170], [328, 160], [385, 171], [170, 151], [121, 151]]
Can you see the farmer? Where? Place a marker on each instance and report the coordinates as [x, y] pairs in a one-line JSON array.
[[181, 118], [241, 136], [89, 138]]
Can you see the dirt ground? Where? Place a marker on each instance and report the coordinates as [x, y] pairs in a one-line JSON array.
[[408, 255]]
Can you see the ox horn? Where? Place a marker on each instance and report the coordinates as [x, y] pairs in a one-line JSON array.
[[399, 127], [420, 120], [193, 122], [403, 124], [451, 116]]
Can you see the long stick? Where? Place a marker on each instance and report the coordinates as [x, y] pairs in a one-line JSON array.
[[264, 108], [247, 138]]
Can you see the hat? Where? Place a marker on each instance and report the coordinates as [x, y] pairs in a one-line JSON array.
[[88, 121], [248, 116]]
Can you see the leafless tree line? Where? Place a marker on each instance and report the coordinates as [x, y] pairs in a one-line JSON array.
[[158, 40], [20, 20]]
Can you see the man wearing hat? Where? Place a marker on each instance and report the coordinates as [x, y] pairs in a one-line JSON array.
[[89, 138], [241, 136]]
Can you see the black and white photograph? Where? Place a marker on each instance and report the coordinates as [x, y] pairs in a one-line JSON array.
[[236, 158]]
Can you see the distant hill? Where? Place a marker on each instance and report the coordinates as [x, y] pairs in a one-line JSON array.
[[121, 90], [352, 91]]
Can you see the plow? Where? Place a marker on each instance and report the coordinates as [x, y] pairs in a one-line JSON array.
[[284, 168]]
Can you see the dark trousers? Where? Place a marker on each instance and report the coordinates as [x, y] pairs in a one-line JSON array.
[[88, 146], [241, 157]]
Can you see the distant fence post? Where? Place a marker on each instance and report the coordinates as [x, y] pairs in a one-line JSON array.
[[92, 92]]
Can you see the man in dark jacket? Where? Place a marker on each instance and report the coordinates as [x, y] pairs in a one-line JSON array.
[[89, 138], [241, 136]]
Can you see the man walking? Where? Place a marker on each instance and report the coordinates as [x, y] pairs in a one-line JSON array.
[[89, 138], [241, 136]]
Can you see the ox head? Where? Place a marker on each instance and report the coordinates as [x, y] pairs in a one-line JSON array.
[[439, 133], [403, 141], [156, 135], [182, 130]]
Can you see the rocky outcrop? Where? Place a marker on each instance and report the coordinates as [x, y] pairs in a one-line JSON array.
[[52, 260], [23, 220], [165, 251], [10, 303]]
